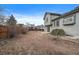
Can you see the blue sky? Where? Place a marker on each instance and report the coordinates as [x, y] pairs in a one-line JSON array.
[[33, 13]]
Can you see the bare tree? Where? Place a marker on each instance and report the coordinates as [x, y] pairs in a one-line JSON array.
[[2, 16]]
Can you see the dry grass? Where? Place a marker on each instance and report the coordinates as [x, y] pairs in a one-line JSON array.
[[38, 43]]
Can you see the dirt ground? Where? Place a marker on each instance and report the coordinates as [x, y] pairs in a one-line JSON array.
[[38, 43]]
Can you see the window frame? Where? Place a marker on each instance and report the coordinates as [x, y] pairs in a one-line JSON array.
[[65, 20]]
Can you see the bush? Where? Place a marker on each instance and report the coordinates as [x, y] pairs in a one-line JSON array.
[[12, 34], [57, 32], [24, 31]]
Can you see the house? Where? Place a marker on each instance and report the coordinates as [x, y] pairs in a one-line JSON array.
[[48, 17], [30, 26], [40, 27], [21, 28], [69, 22]]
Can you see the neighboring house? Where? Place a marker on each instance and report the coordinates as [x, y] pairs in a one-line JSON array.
[[68, 21], [30, 26], [40, 27]]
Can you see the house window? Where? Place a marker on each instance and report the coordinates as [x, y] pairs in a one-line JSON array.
[[54, 23], [46, 19], [69, 20], [57, 23]]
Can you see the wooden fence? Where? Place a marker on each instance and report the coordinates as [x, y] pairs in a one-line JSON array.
[[8, 31], [3, 32]]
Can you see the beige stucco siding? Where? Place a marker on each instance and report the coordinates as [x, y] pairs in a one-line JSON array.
[[71, 29]]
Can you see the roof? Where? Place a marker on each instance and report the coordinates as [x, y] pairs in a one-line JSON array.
[[51, 14], [75, 10]]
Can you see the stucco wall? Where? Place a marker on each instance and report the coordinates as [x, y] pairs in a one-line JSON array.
[[70, 29], [45, 29], [45, 20]]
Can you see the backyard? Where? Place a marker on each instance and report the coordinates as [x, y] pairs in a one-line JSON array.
[[38, 43]]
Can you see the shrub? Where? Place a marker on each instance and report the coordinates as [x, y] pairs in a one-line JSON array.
[[23, 31], [12, 34], [57, 32]]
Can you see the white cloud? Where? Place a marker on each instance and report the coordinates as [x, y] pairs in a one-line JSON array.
[[35, 19]]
